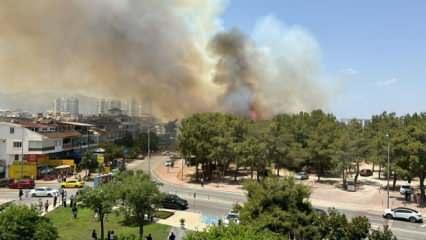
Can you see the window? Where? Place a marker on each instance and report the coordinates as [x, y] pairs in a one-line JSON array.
[[16, 157], [17, 144], [12, 130]]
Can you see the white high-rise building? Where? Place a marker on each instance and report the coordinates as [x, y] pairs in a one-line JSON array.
[[67, 105]]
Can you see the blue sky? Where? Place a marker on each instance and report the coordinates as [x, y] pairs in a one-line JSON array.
[[379, 46]]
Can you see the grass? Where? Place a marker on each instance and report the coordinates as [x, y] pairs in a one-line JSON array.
[[82, 227]]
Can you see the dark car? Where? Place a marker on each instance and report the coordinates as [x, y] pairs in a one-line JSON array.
[[25, 183], [366, 172], [174, 202]]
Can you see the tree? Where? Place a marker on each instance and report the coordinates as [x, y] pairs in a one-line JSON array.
[[101, 200], [140, 195], [386, 234], [320, 143], [232, 232], [89, 162], [280, 206], [22, 222]]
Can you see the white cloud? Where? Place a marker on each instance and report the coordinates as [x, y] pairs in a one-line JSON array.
[[349, 71], [386, 83]]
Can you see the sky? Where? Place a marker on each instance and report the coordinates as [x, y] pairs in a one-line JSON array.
[[373, 52]]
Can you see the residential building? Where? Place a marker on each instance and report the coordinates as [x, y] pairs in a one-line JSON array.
[[67, 105]]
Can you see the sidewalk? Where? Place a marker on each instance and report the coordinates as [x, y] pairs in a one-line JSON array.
[[193, 221]]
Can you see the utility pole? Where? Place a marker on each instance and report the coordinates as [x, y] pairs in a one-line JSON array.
[[22, 151], [149, 137], [387, 135]]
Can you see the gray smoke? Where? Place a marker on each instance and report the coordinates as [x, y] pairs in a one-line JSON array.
[[171, 52]]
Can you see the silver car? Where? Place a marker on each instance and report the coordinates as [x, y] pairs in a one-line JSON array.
[[403, 213], [44, 192]]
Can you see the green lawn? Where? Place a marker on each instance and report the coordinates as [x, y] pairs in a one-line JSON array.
[[81, 228]]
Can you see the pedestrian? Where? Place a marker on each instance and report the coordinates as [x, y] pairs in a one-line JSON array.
[[172, 236], [64, 201], [112, 235], [21, 193], [46, 206], [55, 199], [74, 211], [71, 201], [109, 235], [149, 237], [40, 205], [202, 181], [94, 235]]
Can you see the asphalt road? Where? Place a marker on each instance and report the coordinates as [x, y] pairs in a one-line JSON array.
[[215, 203]]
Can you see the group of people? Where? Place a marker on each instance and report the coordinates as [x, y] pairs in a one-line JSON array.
[[110, 235]]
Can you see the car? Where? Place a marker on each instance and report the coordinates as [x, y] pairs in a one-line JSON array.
[[301, 176], [232, 217], [403, 213], [405, 188], [25, 183], [172, 201], [72, 184], [366, 172], [44, 192], [168, 163]]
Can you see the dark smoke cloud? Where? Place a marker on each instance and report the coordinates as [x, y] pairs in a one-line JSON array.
[[160, 50]]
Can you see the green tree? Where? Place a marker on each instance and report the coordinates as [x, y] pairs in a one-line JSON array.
[[22, 222], [280, 206], [89, 162], [320, 143], [233, 232], [140, 196], [386, 234], [101, 200]]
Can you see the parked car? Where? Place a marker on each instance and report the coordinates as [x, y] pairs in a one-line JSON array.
[[25, 183], [403, 213], [405, 188], [232, 217], [301, 176], [44, 192], [168, 163], [172, 201], [366, 172], [72, 184]]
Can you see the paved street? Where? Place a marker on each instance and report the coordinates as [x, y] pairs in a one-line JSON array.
[[215, 203]]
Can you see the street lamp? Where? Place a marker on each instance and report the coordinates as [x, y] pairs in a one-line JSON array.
[[388, 172]]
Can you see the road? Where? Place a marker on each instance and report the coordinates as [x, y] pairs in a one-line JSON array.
[[216, 203]]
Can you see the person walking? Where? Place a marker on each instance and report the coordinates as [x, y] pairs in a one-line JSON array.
[[46, 206], [21, 193], [94, 235], [55, 199], [40, 205], [71, 201], [74, 211], [149, 237], [172, 236], [112, 235]]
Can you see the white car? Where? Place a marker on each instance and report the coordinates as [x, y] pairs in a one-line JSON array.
[[168, 163], [44, 192], [403, 213], [405, 188], [233, 217]]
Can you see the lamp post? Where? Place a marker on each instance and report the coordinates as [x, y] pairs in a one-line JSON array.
[[388, 172]]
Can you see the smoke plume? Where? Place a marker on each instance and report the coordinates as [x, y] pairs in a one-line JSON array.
[[173, 53]]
